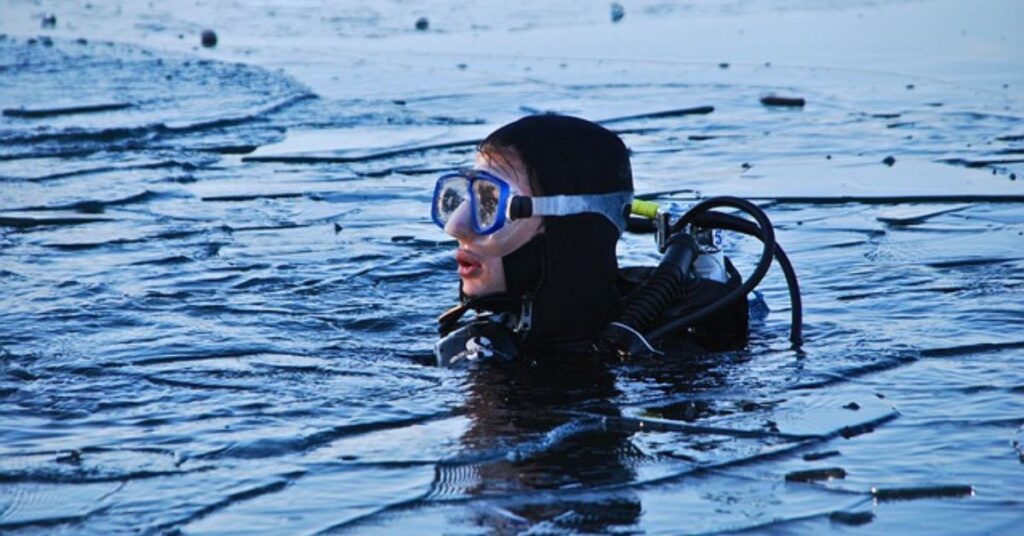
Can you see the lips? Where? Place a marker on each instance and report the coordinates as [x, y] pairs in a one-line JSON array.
[[469, 264]]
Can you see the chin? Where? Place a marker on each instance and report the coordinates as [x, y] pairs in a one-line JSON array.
[[478, 286]]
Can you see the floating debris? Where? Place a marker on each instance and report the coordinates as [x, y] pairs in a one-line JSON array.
[[889, 160], [852, 406], [775, 100], [69, 110], [208, 38], [851, 518], [725, 65], [422, 24], [813, 475], [617, 12], [922, 492], [815, 456], [71, 457]]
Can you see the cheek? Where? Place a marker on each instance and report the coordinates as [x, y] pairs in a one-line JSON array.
[[511, 238]]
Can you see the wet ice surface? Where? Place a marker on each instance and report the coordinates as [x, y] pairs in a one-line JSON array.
[[201, 336]]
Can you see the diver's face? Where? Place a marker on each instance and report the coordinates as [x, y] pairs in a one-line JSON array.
[[479, 256]]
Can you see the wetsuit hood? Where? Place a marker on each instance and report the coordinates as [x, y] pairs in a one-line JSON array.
[[569, 270]]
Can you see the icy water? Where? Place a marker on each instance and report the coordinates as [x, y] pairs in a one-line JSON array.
[[219, 280]]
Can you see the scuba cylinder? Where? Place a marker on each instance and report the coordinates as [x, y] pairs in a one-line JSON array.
[[683, 264]]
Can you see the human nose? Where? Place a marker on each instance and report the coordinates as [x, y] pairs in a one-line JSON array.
[[459, 225]]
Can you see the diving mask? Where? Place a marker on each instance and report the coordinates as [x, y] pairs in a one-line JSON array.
[[492, 202]]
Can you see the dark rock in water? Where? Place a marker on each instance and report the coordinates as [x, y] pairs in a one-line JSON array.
[[889, 161], [422, 24], [852, 518], [923, 492], [617, 12], [852, 406], [31, 40], [1013, 176], [910, 86], [462, 66], [774, 100], [49, 20], [812, 475], [82, 41], [828, 157], [723, 65], [746, 165], [400, 102], [208, 38], [402, 238], [46, 41], [337, 228], [814, 456]]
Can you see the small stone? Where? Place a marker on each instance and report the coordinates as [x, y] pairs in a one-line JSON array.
[[852, 406], [208, 38], [422, 24], [49, 20], [617, 12], [889, 161]]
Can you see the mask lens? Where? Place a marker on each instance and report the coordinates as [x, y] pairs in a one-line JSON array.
[[449, 196], [488, 197]]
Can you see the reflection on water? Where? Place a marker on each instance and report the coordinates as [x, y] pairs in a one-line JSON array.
[[195, 337]]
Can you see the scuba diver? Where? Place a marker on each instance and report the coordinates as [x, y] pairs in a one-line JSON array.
[[537, 219]]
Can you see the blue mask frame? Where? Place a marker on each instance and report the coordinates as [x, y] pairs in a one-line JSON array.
[[471, 177]]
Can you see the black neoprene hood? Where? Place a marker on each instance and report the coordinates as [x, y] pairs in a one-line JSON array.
[[569, 270]]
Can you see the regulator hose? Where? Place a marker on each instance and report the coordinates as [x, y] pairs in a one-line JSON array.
[[767, 236], [728, 222]]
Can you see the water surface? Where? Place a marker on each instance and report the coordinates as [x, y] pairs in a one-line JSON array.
[[219, 291]]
